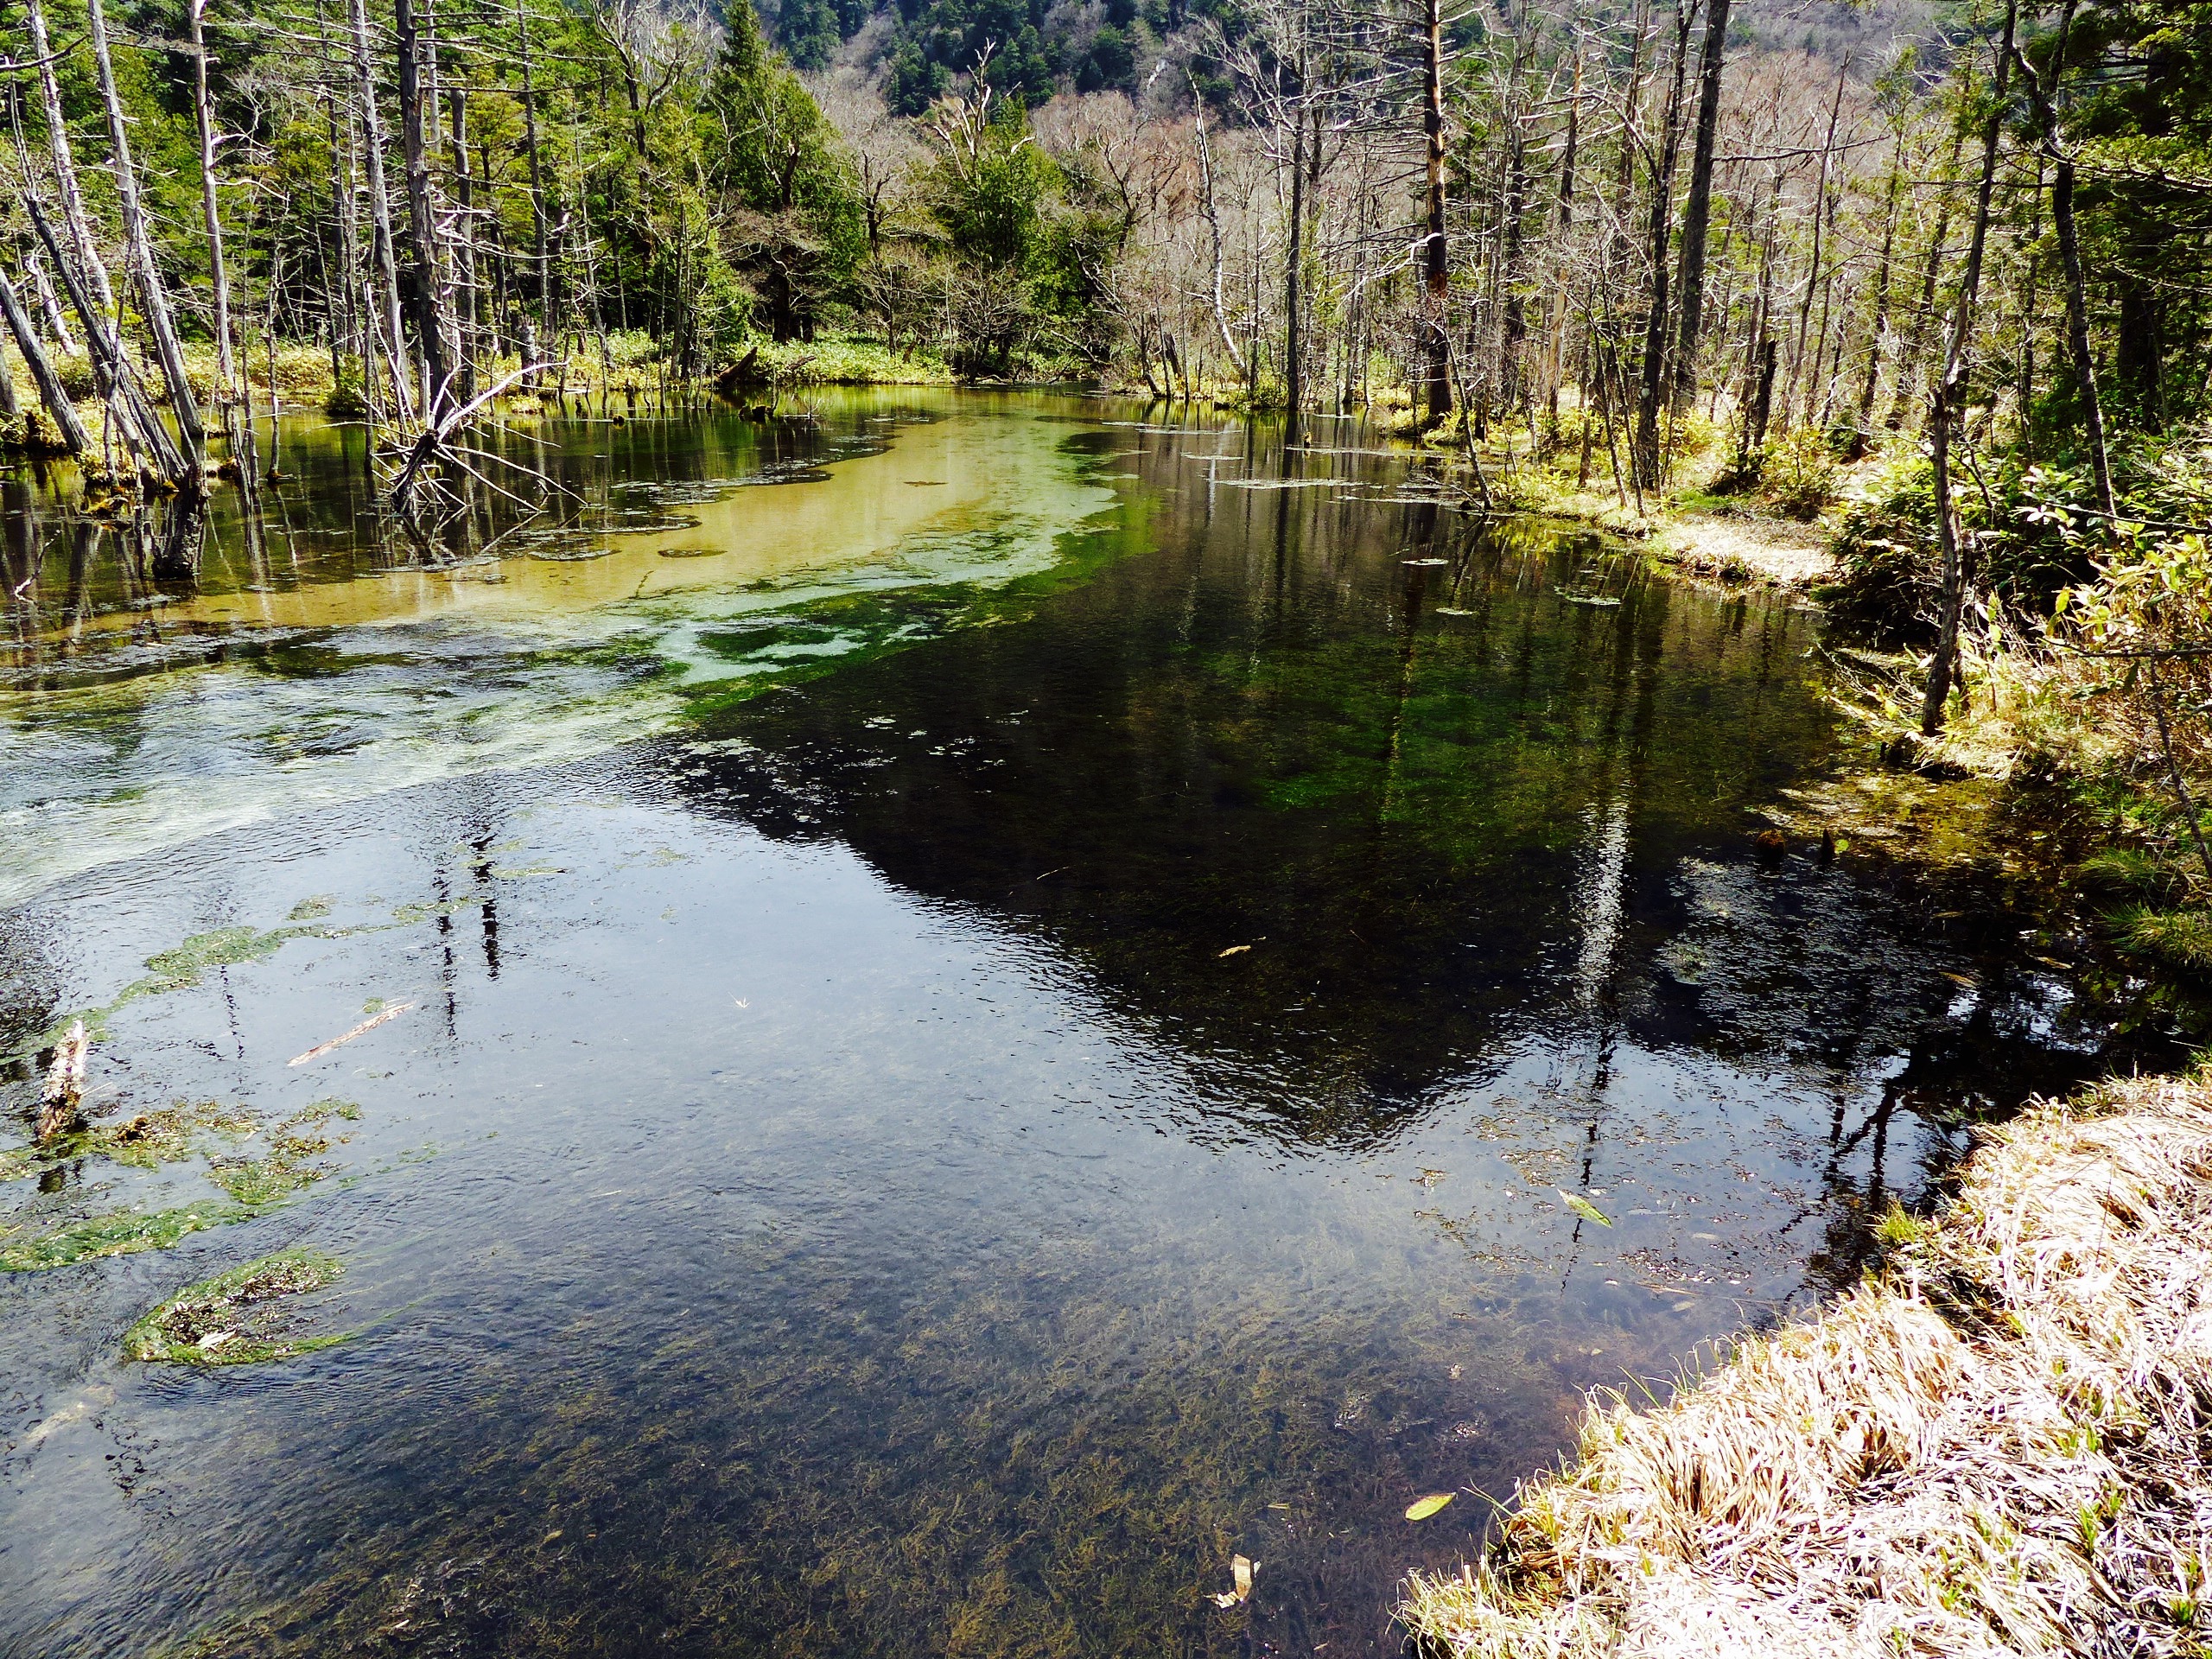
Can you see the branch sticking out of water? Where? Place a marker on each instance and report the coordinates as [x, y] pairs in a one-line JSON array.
[[339, 1041]]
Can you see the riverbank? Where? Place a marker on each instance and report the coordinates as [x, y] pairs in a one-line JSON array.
[[1993, 1446], [298, 376]]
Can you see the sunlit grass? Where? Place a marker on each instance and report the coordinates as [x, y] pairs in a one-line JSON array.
[[1992, 1448]]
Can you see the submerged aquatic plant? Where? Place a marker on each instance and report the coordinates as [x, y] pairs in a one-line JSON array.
[[178, 969], [228, 1319], [252, 1186], [120, 1233]]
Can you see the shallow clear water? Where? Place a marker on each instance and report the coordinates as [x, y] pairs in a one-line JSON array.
[[1013, 1027]]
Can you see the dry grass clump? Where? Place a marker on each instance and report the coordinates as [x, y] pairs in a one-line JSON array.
[[1996, 1445]]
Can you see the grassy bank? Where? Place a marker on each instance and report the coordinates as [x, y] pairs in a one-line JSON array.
[[302, 378], [1994, 1446]]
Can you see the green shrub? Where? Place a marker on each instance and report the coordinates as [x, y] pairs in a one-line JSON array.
[[1887, 577], [1798, 474], [2177, 940], [74, 370], [344, 400]]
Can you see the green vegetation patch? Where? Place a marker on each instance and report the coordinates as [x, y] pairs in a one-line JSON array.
[[120, 1233], [2179, 940], [147, 1141], [251, 1186], [179, 969], [232, 1318], [288, 1167]]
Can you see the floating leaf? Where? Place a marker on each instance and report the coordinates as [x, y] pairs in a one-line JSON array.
[[1584, 1208], [1421, 1508]]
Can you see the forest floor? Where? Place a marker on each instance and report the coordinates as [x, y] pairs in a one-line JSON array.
[[1992, 1445], [1742, 545]]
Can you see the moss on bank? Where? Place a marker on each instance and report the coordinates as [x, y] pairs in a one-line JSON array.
[[1993, 1446]]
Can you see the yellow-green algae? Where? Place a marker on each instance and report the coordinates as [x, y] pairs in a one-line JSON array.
[[251, 1186], [228, 1319], [121, 1233]]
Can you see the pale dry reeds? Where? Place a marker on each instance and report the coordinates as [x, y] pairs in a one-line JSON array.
[[1997, 1445]]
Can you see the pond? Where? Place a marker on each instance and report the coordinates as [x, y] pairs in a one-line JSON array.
[[958, 1007]]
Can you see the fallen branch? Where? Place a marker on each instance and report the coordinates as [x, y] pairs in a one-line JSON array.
[[339, 1041], [425, 447], [65, 1083]]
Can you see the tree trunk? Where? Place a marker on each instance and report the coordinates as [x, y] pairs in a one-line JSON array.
[[1213, 230], [428, 283], [2138, 351], [1879, 329], [1697, 212], [547, 312], [1555, 346], [1436, 271], [143, 428], [1812, 281], [1950, 392], [393, 340], [203, 112], [466, 346], [1915, 338], [50, 302], [153, 298], [1645, 459], [2070, 259], [43, 372], [1294, 256], [65, 173]]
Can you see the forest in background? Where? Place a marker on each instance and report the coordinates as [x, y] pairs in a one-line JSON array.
[[1951, 257]]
